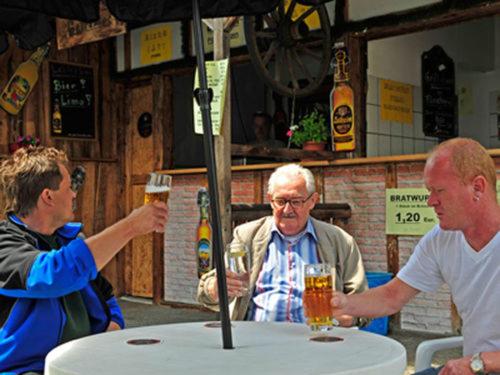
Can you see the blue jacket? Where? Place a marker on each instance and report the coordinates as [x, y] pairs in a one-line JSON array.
[[32, 279]]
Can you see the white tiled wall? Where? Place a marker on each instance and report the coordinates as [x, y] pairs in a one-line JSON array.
[[393, 138]]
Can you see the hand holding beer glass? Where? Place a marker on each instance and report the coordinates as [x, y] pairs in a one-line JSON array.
[[317, 296], [157, 188], [236, 258]]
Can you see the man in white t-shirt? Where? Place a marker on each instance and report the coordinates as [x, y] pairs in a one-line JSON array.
[[463, 251]]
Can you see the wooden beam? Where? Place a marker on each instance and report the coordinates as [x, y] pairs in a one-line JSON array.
[[159, 130], [158, 268], [258, 192], [168, 124], [392, 246], [222, 142], [424, 18], [358, 67], [280, 153]]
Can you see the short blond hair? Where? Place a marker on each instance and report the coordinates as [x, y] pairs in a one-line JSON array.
[[26, 173], [468, 158]]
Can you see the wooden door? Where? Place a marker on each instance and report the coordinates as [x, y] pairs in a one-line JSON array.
[[140, 162]]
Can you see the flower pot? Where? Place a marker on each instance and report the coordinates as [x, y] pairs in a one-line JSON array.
[[313, 146]]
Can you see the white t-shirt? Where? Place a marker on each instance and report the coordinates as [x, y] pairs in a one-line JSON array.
[[473, 277]]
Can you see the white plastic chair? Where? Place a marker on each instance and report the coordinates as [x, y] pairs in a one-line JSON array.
[[427, 348]]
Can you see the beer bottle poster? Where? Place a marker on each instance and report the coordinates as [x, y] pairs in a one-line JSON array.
[[72, 101]]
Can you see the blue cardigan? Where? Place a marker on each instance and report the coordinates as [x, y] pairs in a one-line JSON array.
[[32, 278]]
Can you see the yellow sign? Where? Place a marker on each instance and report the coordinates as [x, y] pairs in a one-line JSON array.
[[217, 73], [396, 102], [312, 21], [407, 213], [156, 45]]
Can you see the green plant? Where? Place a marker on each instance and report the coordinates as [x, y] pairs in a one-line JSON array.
[[311, 127]]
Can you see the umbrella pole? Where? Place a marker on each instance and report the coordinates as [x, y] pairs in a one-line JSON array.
[[203, 96]]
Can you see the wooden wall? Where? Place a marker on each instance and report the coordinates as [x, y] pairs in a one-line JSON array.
[[101, 201]]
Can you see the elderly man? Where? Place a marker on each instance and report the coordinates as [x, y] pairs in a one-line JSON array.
[[280, 247], [51, 290], [462, 251]]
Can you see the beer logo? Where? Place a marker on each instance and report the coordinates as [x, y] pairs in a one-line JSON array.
[[203, 255], [17, 91], [342, 119]]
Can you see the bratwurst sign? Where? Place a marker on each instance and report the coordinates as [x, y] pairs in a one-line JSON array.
[[407, 213]]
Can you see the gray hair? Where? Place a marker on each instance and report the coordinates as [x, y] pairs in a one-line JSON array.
[[292, 171]]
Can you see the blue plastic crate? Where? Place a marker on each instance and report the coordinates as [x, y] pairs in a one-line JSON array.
[[379, 325]]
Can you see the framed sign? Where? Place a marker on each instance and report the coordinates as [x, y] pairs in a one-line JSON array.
[[439, 102], [407, 212], [72, 100]]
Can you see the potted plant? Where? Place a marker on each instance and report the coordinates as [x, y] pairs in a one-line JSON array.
[[23, 142], [311, 132]]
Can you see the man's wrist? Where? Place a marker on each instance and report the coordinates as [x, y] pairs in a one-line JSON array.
[[476, 364]]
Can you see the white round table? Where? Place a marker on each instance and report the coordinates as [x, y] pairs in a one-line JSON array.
[[260, 348]]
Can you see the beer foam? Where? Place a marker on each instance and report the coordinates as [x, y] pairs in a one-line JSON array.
[[157, 189]]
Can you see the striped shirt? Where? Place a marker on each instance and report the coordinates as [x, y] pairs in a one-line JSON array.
[[278, 292]]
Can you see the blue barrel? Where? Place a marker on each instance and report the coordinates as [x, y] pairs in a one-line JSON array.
[[379, 325]]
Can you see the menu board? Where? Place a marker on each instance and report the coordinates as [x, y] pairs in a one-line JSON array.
[[439, 102], [72, 101]]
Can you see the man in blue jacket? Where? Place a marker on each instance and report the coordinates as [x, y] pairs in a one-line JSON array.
[[51, 290]]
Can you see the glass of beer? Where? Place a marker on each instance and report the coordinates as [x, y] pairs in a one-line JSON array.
[[317, 296], [157, 188], [236, 258]]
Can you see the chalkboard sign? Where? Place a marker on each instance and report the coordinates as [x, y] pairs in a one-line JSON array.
[[72, 101], [439, 101]]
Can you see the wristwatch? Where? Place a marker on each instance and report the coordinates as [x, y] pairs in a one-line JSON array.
[[477, 364]]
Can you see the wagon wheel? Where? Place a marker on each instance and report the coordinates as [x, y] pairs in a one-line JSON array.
[[291, 52]]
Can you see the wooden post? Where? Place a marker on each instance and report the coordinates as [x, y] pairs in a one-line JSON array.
[[158, 255], [358, 65], [222, 142], [392, 246]]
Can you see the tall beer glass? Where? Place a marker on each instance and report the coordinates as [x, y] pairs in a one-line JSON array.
[[236, 258], [157, 188], [317, 296]]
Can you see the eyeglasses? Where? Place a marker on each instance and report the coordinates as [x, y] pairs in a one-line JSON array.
[[295, 202]]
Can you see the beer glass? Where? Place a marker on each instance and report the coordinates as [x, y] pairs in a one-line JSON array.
[[157, 188], [236, 258], [317, 296]]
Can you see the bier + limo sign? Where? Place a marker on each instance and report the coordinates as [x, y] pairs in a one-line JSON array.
[[72, 100]]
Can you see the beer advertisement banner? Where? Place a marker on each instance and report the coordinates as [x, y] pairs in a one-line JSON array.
[[396, 102], [217, 73], [407, 212]]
